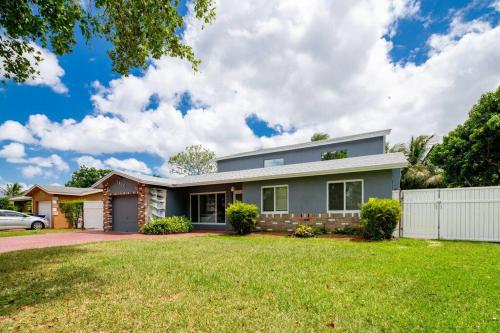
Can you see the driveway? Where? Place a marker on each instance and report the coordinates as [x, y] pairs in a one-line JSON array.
[[8, 244]]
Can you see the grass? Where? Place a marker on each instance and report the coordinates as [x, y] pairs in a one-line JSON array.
[[249, 284], [23, 232]]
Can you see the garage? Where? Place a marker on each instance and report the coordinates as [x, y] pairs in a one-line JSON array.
[[125, 213], [93, 215], [45, 208]]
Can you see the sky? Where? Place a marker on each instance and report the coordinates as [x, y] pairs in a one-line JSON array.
[[272, 73]]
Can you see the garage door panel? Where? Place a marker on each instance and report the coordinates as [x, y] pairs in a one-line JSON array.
[[93, 214], [125, 213], [45, 208]]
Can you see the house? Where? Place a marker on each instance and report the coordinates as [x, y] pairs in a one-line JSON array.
[[291, 184], [22, 203], [46, 199]]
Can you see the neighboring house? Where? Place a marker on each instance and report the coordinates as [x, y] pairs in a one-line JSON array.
[[22, 204], [46, 198], [289, 184]]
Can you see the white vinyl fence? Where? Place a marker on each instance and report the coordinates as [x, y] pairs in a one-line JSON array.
[[452, 213]]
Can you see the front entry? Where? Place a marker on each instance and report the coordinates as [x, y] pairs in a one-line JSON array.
[[125, 213]]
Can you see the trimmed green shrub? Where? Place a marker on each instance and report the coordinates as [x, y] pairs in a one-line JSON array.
[[357, 230], [242, 217], [73, 211], [167, 225], [6, 204], [304, 231], [379, 217]]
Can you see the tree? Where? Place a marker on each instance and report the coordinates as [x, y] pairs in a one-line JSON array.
[[73, 211], [13, 190], [319, 137], [137, 31], [195, 160], [6, 204], [420, 173], [86, 177], [470, 154]]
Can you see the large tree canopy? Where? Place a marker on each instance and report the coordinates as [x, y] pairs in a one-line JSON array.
[[137, 30], [470, 154], [196, 160], [86, 177]]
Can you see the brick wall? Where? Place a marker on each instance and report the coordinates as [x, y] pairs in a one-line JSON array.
[[142, 204], [288, 222], [108, 208]]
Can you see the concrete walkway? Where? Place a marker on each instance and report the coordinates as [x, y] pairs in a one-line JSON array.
[[8, 244]]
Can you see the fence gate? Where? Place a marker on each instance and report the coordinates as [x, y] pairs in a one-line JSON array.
[[454, 213]]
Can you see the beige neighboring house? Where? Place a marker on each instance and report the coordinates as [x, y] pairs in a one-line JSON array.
[[46, 198]]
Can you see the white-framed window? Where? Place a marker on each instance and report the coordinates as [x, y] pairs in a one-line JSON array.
[[274, 199], [207, 208], [274, 162], [344, 196]]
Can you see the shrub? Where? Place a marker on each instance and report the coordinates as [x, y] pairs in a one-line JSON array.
[[167, 225], [350, 230], [304, 231], [73, 211], [242, 217], [6, 204], [379, 217]]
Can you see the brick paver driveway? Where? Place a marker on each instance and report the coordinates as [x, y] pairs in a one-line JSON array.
[[8, 244]]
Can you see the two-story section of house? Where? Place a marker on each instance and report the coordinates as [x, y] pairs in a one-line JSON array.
[[322, 183]]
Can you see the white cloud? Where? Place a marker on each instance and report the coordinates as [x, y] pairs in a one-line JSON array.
[[496, 5], [128, 164], [13, 151], [50, 72], [15, 131], [31, 171], [90, 162], [300, 66]]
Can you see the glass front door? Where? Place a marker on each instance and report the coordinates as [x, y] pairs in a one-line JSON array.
[[208, 208]]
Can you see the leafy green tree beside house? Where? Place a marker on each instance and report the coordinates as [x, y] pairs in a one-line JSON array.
[[420, 173], [86, 177], [13, 190], [195, 160], [470, 154]]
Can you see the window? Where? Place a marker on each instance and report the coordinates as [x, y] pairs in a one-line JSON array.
[[274, 199], [274, 162], [333, 155], [208, 208], [344, 196]]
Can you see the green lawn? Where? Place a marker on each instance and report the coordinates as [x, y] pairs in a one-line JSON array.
[[21, 232], [266, 284]]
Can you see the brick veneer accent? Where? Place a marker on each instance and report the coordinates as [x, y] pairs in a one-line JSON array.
[[142, 203], [288, 222], [108, 208]]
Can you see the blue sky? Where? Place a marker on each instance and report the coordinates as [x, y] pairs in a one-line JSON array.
[[408, 35]]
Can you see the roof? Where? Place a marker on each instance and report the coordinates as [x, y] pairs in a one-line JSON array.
[[345, 165], [63, 190], [20, 198], [341, 139]]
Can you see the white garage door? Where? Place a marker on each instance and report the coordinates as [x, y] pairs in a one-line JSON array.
[[93, 214], [45, 208]]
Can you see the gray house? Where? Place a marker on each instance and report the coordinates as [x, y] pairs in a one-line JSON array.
[[320, 183]]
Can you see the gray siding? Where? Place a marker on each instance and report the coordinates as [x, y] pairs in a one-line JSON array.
[[364, 147], [178, 201], [121, 185], [308, 194]]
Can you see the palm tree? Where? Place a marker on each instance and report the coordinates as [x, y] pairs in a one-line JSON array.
[[13, 190], [420, 173]]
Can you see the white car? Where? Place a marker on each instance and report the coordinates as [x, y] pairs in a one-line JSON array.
[[10, 219]]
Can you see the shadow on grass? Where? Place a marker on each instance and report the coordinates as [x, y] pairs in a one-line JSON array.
[[34, 277]]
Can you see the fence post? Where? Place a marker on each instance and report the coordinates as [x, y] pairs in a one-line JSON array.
[[401, 202], [439, 213]]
